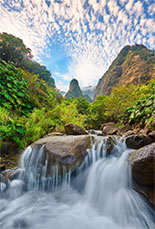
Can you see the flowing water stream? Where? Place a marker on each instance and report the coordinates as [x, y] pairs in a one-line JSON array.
[[99, 197]]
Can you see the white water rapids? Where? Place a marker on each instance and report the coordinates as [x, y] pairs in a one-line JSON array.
[[99, 197]]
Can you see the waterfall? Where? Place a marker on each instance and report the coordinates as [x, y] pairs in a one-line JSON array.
[[36, 173], [99, 196]]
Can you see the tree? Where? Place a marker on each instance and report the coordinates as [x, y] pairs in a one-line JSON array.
[[13, 49], [82, 106], [35, 68]]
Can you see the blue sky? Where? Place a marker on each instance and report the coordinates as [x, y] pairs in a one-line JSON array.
[[78, 38]]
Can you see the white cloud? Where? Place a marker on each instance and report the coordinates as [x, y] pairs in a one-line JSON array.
[[61, 86], [90, 35], [129, 5], [85, 71], [123, 2]]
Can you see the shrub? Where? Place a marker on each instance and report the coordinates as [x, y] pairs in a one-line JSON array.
[[13, 93]]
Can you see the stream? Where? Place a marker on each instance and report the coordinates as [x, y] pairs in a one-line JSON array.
[[99, 196]]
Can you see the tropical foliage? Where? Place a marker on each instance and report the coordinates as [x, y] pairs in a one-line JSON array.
[[115, 106], [13, 93], [30, 107], [12, 49], [142, 110]]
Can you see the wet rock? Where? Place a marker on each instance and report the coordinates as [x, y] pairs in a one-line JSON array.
[[91, 131], [96, 132], [72, 129], [142, 163], [109, 145], [138, 141], [12, 174], [65, 151]]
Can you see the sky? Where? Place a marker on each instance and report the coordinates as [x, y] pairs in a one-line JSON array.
[[78, 38]]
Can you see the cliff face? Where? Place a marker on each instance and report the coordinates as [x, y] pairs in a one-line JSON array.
[[74, 90], [134, 64]]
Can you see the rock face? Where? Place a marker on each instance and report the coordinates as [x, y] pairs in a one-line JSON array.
[[138, 141], [65, 151], [134, 64], [142, 163], [72, 129], [74, 90]]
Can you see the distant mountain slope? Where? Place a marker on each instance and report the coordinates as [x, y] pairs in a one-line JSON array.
[[90, 91], [75, 91], [62, 93], [134, 64]]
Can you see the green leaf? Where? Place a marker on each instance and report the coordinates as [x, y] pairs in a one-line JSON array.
[[9, 85], [21, 94], [19, 101], [20, 130]]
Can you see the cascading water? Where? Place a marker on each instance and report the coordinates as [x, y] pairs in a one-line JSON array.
[[36, 173], [100, 196]]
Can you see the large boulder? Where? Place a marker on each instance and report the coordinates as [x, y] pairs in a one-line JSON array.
[[72, 129], [64, 151], [137, 141], [142, 164]]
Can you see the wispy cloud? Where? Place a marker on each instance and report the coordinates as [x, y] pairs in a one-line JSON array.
[[91, 32]]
